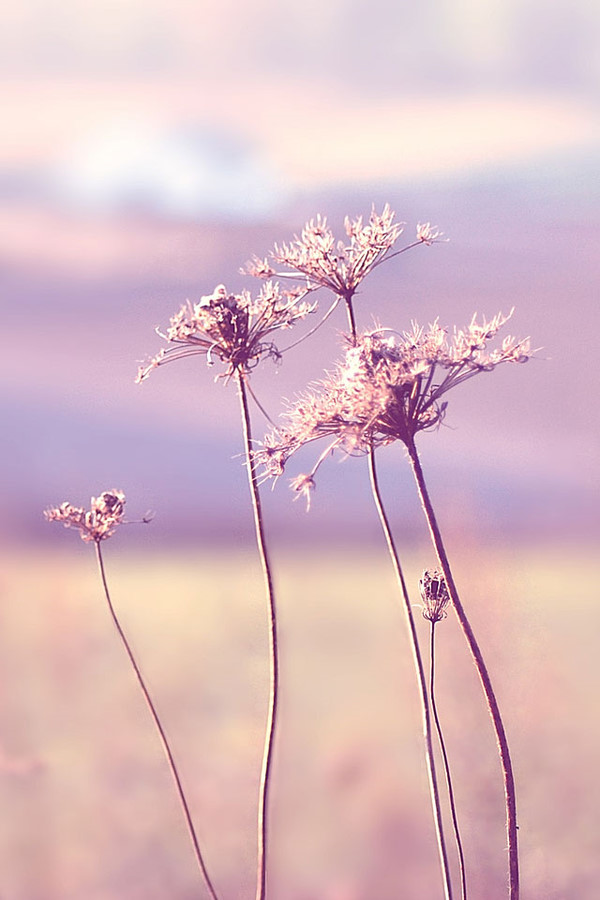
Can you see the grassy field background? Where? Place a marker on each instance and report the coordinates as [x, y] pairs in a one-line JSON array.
[[87, 808]]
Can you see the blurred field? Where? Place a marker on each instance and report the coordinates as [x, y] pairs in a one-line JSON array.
[[87, 808]]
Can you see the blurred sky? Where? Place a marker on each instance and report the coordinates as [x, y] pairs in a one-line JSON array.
[[150, 148]]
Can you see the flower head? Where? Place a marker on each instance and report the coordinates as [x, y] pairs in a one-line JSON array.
[[340, 266], [231, 328], [434, 594], [388, 388], [96, 524]]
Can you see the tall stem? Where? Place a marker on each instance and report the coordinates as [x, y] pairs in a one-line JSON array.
[[160, 729], [263, 794], [494, 710], [447, 772], [420, 673]]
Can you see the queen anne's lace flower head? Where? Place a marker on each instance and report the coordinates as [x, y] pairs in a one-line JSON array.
[[388, 388], [234, 329], [340, 266], [96, 524]]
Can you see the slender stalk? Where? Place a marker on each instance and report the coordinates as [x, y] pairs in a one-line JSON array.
[[494, 710], [417, 659], [160, 729], [315, 328], [438, 727], [263, 794], [420, 673], [351, 318]]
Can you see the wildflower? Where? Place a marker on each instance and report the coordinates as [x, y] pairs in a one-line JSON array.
[[96, 524], [434, 594], [231, 328], [389, 387], [339, 266]]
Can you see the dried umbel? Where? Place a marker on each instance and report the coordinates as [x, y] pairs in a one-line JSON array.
[[339, 266], [388, 388], [231, 328], [434, 594], [96, 524]]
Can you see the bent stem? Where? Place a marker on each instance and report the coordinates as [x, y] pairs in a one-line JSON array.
[[263, 794], [494, 710], [438, 727], [160, 729], [420, 673]]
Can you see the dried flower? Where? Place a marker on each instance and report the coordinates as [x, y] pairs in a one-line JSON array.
[[232, 328], [388, 388], [339, 266], [96, 524], [434, 594]]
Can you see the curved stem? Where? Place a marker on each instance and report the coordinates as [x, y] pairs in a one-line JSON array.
[[260, 406], [314, 328], [494, 710], [438, 727], [420, 673], [263, 794], [159, 727]]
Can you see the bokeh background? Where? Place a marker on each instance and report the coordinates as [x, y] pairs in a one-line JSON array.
[[148, 150]]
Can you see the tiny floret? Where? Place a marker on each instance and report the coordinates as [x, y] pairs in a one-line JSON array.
[[96, 524], [434, 594], [429, 234]]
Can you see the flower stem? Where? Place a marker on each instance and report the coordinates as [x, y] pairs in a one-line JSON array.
[[420, 673], [494, 710], [160, 729], [263, 794], [351, 317], [438, 727]]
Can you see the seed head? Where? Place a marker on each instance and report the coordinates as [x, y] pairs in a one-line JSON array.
[[231, 328], [388, 387], [434, 594], [99, 522], [339, 266]]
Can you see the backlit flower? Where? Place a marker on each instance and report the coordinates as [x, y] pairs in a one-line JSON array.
[[233, 329], [316, 257], [96, 524], [388, 388]]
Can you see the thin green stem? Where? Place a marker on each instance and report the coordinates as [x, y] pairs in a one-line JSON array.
[[264, 784], [420, 673], [438, 727], [492, 703], [159, 727]]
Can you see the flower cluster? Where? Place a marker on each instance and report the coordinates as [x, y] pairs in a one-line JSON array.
[[434, 594], [388, 388], [339, 266], [232, 328], [97, 523]]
